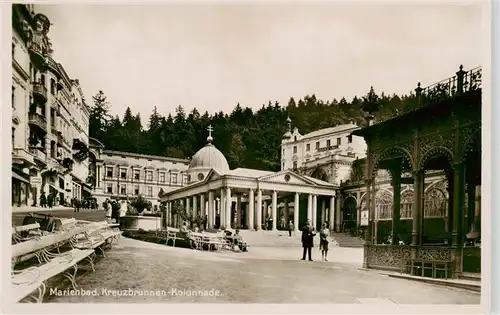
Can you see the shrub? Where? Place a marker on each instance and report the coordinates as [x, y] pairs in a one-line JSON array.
[[140, 203]]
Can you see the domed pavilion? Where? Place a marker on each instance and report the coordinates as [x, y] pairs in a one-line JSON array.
[[244, 198]]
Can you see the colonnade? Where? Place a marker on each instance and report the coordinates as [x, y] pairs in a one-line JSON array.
[[256, 205]]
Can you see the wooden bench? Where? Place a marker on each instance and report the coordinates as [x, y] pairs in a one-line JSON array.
[[437, 269], [24, 282], [172, 235], [26, 232], [97, 236]]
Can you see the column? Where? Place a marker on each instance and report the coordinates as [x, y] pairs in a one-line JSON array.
[[338, 217], [259, 210], [396, 205], [418, 186], [222, 207], [315, 211], [211, 210], [195, 206], [238, 224], [358, 210], [331, 214], [309, 207], [296, 210], [251, 209], [203, 206], [188, 206], [471, 204], [274, 209], [229, 203], [323, 212], [285, 212], [458, 205]]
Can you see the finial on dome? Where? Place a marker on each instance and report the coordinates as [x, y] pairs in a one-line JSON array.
[[209, 138]]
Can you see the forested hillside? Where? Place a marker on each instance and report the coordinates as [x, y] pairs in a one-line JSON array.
[[247, 138]]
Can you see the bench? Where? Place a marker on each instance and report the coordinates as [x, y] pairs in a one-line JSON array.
[[25, 281], [96, 235], [25, 232], [172, 235], [436, 269]]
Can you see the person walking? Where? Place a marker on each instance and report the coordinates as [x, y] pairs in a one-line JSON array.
[[307, 240], [290, 228], [323, 243], [50, 200], [43, 200]]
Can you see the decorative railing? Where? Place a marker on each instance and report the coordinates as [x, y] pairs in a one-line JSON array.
[[38, 154], [462, 82], [39, 120], [332, 147]]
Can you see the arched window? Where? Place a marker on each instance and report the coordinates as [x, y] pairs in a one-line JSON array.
[[383, 205], [350, 206], [407, 199], [435, 204], [52, 86]]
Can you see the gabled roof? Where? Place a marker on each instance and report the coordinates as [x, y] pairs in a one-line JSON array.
[[248, 172]]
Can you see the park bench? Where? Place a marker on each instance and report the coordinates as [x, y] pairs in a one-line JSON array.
[[172, 235], [25, 232], [98, 236], [50, 264], [436, 269]]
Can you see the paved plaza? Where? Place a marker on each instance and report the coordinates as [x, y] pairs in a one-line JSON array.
[[263, 275]]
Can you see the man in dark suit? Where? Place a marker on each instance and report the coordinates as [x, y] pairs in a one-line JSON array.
[[307, 240]]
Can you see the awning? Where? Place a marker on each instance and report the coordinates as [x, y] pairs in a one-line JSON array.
[[87, 189], [57, 188], [19, 178]]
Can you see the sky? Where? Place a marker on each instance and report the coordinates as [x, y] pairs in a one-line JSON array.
[[213, 56]]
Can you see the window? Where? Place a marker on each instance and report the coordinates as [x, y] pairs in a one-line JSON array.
[[150, 191], [349, 139], [137, 174], [109, 171], [136, 190], [294, 165], [13, 51], [149, 175], [283, 151], [295, 138], [328, 143], [110, 188], [174, 178], [295, 149], [13, 137], [13, 97], [317, 145], [162, 177], [339, 141], [123, 189], [308, 147], [123, 173]]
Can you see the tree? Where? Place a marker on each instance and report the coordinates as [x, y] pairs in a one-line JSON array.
[[140, 204], [99, 116]]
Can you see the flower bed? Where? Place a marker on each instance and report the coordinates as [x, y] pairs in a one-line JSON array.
[[158, 237]]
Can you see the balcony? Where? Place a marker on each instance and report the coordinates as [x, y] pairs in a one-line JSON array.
[[37, 54], [38, 121], [40, 92], [38, 155], [22, 157]]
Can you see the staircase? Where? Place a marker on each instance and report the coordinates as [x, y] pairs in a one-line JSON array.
[[346, 240]]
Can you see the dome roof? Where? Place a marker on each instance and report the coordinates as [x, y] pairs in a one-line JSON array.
[[209, 157]]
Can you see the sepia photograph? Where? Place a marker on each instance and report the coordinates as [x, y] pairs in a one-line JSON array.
[[247, 153]]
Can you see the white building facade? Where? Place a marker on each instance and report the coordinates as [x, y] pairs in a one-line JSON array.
[[48, 115]]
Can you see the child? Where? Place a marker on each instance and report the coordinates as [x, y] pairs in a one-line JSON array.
[[323, 244]]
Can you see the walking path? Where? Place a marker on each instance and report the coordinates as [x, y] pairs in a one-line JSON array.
[[253, 277]]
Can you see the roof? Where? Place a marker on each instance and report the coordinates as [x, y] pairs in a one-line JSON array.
[[248, 172], [209, 157], [145, 156], [318, 181], [329, 130]]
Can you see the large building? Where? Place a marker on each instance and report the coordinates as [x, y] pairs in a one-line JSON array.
[[50, 119], [248, 198], [123, 175]]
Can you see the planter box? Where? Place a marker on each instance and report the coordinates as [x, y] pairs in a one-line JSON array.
[[130, 222]]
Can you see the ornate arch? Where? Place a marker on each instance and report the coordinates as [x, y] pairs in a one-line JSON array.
[[435, 201], [350, 207], [383, 204], [320, 174], [407, 200], [362, 201], [435, 152], [377, 158]]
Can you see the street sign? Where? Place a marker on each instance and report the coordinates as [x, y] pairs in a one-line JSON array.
[[364, 218]]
